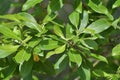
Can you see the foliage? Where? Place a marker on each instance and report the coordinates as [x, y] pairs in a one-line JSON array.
[[36, 44]]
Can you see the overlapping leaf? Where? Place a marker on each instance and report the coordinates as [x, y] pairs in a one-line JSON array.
[[58, 50], [116, 4], [116, 50], [22, 56], [98, 26], [8, 32], [75, 57], [100, 9], [6, 50], [74, 18], [30, 3]]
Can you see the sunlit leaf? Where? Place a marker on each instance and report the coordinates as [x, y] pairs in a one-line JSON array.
[[75, 57], [116, 4], [69, 31], [115, 23], [101, 73], [8, 32], [58, 31], [30, 3], [49, 18], [22, 56], [6, 50], [74, 18], [100, 9], [79, 8], [29, 21], [48, 44], [89, 44], [84, 73], [98, 26], [10, 17], [60, 49], [99, 57], [50, 54], [116, 50], [84, 21], [57, 65]]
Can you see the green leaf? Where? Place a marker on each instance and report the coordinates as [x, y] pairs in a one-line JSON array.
[[115, 23], [26, 68], [89, 44], [84, 49], [116, 50], [98, 26], [48, 67], [57, 64], [84, 21], [84, 73], [49, 18], [33, 26], [69, 31], [74, 18], [33, 42], [54, 37], [75, 57], [8, 71], [48, 44], [79, 8], [61, 64], [100, 9], [58, 31], [10, 17], [50, 54], [116, 4], [28, 20], [8, 33], [30, 3], [6, 50], [22, 56], [101, 73], [56, 5], [99, 57], [26, 17], [60, 49]]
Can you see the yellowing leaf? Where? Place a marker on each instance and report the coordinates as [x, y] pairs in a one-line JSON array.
[[36, 57]]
